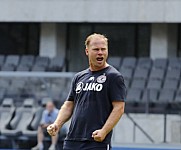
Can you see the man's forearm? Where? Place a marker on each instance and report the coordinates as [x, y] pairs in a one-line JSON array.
[[114, 117], [65, 113]]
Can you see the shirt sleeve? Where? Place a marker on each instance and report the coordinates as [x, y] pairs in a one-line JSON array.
[[71, 94], [117, 89]]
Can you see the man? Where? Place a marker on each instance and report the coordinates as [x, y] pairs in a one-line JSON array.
[[95, 102], [48, 117]]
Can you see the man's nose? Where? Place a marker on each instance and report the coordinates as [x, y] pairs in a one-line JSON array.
[[99, 52]]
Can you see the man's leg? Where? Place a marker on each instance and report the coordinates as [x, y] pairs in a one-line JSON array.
[[40, 138], [54, 139], [54, 142]]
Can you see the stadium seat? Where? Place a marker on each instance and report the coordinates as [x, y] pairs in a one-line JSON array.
[[126, 72], [127, 82], [138, 83], [42, 61], [2, 94], [150, 95], [178, 96], [180, 85], [174, 63], [166, 96], [12, 60], [8, 68], [56, 64], [157, 73], [170, 84], [12, 93], [4, 83], [173, 74], [2, 59], [129, 62], [114, 61], [134, 95], [31, 130], [141, 73], [27, 60], [18, 84], [154, 84], [21, 121], [23, 68], [37, 68], [144, 62], [7, 110], [160, 63]]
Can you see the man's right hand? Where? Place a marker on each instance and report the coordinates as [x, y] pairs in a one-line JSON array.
[[53, 129]]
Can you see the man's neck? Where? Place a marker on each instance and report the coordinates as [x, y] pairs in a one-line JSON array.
[[92, 68]]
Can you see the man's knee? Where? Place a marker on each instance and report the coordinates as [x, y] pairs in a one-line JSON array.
[[41, 130]]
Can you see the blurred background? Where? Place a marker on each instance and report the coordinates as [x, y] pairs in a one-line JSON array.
[[42, 47]]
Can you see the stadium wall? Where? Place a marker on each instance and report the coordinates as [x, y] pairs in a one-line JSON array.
[[53, 41], [160, 130], [162, 11]]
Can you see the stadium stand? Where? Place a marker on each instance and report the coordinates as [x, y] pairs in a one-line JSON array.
[[129, 62], [153, 85], [27, 60], [178, 96], [142, 74], [150, 95], [144, 62], [115, 61], [22, 119], [21, 123], [151, 81], [7, 68], [23, 68], [12, 60], [126, 72], [31, 63], [56, 64], [160, 63], [138, 83]]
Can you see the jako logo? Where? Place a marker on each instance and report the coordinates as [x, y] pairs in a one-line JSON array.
[[88, 87]]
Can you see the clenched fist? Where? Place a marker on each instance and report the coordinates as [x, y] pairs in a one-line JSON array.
[[99, 135], [53, 129]]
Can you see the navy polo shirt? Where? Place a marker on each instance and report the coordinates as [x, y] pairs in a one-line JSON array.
[[93, 93]]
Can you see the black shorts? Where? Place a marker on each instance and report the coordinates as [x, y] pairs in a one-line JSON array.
[[85, 145], [45, 133]]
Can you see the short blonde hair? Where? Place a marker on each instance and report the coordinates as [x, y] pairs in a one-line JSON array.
[[88, 39]]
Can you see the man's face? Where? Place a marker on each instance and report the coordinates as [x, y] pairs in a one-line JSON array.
[[49, 106], [97, 52]]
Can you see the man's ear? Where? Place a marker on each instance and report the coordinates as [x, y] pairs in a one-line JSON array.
[[86, 51]]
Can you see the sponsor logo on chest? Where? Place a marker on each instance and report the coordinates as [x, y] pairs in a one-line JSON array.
[[98, 86]]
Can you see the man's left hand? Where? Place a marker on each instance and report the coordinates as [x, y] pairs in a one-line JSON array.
[[99, 135]]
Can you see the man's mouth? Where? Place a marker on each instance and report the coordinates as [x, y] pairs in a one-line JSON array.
[[99, 58]]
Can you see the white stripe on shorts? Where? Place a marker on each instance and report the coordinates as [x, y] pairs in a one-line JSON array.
[[107, 146]]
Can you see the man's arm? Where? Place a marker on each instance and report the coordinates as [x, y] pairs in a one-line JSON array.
[[65, 113], [63, 116], [117, 112]]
